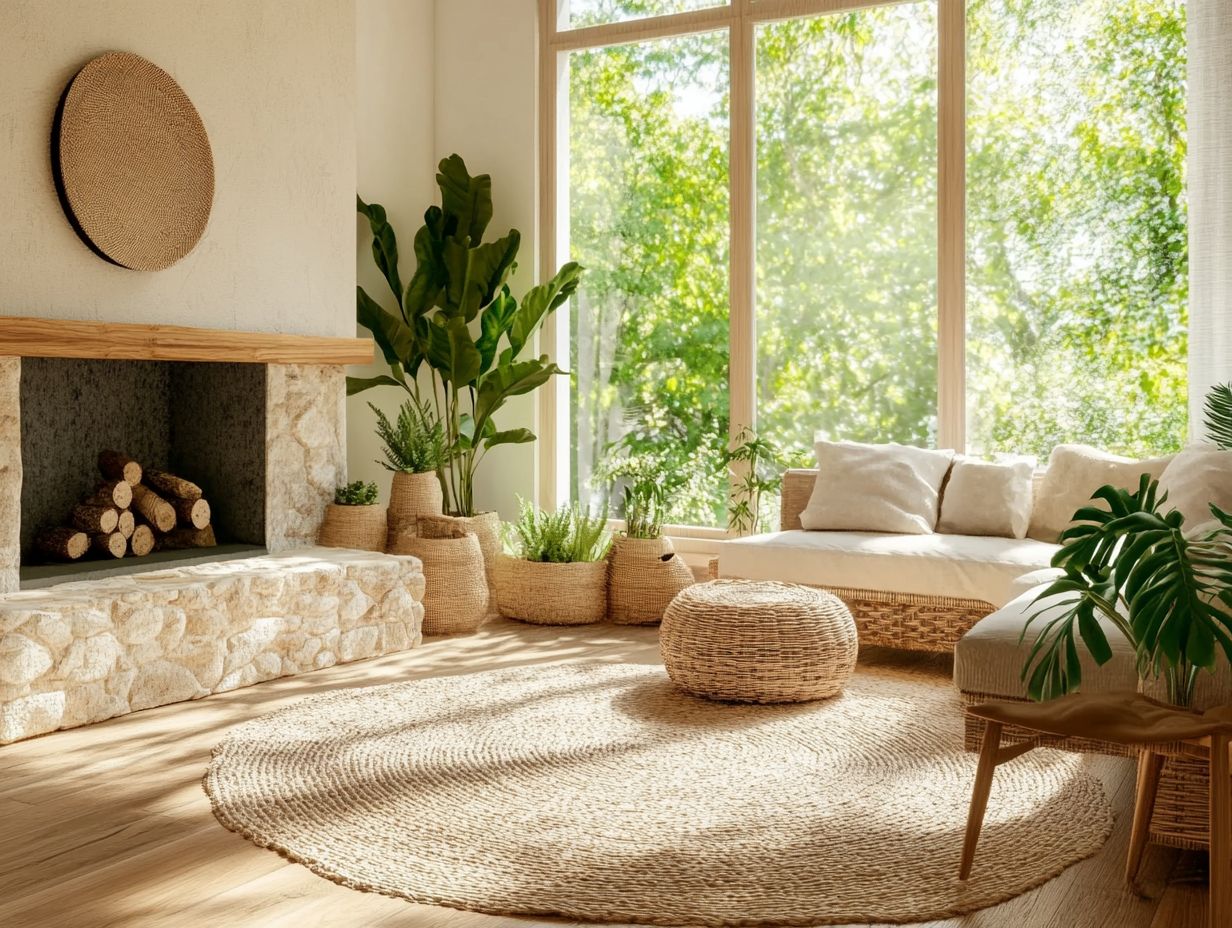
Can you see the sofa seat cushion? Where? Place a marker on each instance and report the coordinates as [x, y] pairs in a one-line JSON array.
[[988, 659], [961, 566]]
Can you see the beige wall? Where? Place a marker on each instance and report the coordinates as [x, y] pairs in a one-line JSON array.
[[274, 82], [397, 168]]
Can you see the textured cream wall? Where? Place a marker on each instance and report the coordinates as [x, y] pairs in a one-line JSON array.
[[397, 168], [274, 82]]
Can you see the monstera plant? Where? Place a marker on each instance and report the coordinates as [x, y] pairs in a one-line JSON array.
[[457, 336], [1168, 591]]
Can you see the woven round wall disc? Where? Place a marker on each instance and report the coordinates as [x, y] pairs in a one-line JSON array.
[[132, 162]]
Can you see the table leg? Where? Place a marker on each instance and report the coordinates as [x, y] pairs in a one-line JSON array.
[[989, 749], [1221, 834], [1149, 766]]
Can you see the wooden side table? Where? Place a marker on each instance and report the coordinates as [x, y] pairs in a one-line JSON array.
[[1158, 730]]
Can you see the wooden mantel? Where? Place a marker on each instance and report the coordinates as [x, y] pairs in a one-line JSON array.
[[26, 337]]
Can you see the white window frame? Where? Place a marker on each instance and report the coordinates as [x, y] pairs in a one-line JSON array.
[[739, 18]]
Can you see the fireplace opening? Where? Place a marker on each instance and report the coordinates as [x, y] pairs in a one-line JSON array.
[[204, 422]]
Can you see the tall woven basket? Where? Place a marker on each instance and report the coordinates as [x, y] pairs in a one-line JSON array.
[[455, 597], [412, 496], [551, 594], [360, 527], [644, 576], [486, 526]]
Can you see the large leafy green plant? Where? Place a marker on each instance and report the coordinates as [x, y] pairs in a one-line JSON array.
[[458, 323], [1167, 592]]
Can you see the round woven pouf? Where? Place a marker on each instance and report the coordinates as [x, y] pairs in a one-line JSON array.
[[758, 641]]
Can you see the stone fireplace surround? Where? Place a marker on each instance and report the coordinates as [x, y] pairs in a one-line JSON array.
[[85, 651]]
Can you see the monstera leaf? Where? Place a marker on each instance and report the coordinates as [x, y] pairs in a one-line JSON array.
[[1167, 592]]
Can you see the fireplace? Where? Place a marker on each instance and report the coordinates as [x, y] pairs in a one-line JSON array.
[[202, 421], [256, 419]]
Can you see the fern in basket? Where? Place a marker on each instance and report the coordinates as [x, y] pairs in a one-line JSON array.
[[415, 443], [567, 536]]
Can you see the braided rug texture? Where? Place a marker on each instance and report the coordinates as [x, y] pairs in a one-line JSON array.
[[600, 792]]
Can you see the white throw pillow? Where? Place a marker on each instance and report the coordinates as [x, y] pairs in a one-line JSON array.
[[876, 488], [1074, 473], [982, 498], [1197, 477]]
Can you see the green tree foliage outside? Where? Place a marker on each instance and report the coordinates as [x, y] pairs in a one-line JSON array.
[[1076, 238]]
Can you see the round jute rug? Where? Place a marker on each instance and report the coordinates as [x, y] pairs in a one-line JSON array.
[[601, 793]]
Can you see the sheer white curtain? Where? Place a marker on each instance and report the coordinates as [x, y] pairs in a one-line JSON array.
[[1210, 200]]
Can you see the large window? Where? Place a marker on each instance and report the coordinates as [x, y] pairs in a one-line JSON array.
[[943, 222]]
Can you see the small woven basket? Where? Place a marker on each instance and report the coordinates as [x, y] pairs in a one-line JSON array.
[[486, 526], [412, 496], [361, 527], [455, 597], [551, 594], [644, 576]]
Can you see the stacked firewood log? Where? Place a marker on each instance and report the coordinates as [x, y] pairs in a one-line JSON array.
[[132, 511]]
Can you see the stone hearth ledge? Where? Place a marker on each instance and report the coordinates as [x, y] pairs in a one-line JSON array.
[[84, 652]]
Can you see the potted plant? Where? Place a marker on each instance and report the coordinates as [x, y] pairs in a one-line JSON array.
[[645, 574], [755, 466], [353, 519], [1167, 591], [557, 574], [457, 324], [414, 448]]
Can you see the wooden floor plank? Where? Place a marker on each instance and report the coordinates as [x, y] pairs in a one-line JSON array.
[[108, 825]]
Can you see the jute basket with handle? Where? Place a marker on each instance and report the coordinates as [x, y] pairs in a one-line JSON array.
[[545, 593], [486, 526], [361, 527], [412, 496], [644, 575], [456, 591]]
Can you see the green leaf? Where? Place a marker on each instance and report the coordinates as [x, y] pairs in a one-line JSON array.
[[494, 322], [452, 353], [384, 245], [428, 282], [541, 301], [467, 200], [1219, 415], [475, 274], [396, 340], [509, 437], [360, 384]]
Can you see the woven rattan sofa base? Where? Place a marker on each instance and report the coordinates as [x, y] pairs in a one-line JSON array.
[[903, 620], [1180, 818]]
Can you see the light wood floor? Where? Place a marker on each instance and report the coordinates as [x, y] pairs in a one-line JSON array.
[[108, 825]]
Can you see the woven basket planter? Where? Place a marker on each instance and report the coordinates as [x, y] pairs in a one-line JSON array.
[[361, 527], [644, 576], [551, 594], [486, 526], [455, 597], [412, 496]]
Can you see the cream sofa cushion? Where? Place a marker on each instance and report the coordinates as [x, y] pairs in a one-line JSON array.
[[876, 488], [988, 659], [1074, 473], [982, 498], [1195, 478], [962, 566]]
